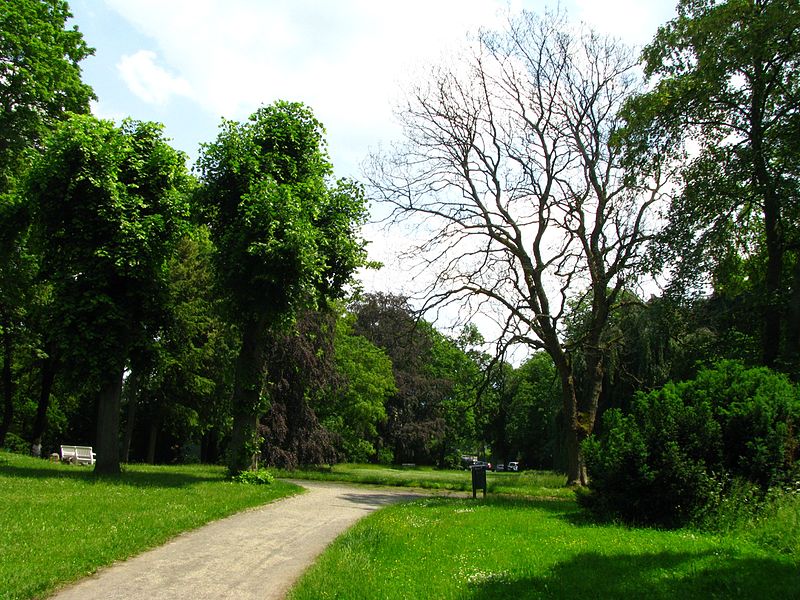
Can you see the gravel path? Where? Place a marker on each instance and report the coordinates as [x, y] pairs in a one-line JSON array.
[[257, 553]]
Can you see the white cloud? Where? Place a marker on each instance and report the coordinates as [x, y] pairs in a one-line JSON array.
[[344, 59], [150, 82]]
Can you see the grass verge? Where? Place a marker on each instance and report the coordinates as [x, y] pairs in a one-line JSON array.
[[524, 548], [526, 483], [59, 523]]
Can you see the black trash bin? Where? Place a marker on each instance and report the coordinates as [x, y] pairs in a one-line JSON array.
[[478, 478]]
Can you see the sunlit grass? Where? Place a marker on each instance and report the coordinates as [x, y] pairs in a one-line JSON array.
[[527, 483], [522, 548], [60, 522]]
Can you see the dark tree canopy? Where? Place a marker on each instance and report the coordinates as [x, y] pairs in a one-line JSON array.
[[727, 84]]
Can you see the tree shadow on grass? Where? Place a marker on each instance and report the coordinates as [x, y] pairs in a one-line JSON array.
[[156, 479], [660, 576]]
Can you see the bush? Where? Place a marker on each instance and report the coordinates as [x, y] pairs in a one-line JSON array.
[[16, 444], [260, 477], [686, 447], [759, 413], [385, 456]]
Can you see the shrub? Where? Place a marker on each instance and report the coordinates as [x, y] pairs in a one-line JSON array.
[[759, 412], [254, 477], [650, 466], [685, 448], [385, 456], [16, 444]]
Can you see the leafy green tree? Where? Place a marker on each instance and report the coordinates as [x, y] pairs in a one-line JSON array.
[[181, 383], [18, 266], [728, 82], [354, 409], [39, 85], [109, 207], [469, 407], [415, 422], [287, 239], [435, 413], [40, 78], [532, 429]]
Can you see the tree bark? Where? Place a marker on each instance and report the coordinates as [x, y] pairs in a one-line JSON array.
[[771, 340], [247, 387], [793, 324], [8, 382], [576, 468], [108, 409], [130, 421], [49, 367], [580, 411]]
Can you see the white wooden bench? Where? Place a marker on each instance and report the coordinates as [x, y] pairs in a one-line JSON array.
[[81, 455]]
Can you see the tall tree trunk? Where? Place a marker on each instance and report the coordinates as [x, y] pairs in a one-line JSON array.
[[793, 324], [8, 381], [771, 342], [108, 409], [247, 387], [576, 468], [130, 420], [580, 411], [771, 339], [49, 367], [209, 446]]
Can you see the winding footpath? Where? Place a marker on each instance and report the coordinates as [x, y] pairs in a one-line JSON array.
[[255, 554]]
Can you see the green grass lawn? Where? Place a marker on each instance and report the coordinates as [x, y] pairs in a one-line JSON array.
[[59, 523], [525, 548], [527, 483]]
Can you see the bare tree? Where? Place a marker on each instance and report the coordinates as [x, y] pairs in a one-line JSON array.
[[510, 167]]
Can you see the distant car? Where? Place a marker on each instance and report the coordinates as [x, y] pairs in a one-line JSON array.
[[513, 466], [500, 467], [481, 465]]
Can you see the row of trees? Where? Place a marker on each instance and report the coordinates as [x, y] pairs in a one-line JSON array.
[[95, 215], [557, 186], [158, 315]]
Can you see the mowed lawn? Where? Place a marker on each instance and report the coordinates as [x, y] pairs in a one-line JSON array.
[[503, 548], [59, 523], [525, 483]]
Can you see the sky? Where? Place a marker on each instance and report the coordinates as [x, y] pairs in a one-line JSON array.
[[190, 63]]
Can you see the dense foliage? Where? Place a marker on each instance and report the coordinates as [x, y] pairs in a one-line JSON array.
[[682, 446], [286, 240]]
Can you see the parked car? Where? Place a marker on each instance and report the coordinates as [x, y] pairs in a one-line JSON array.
[[513, 466], [500, 467]]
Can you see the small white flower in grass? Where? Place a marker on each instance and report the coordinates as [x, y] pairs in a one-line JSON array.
[[482, 577]]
